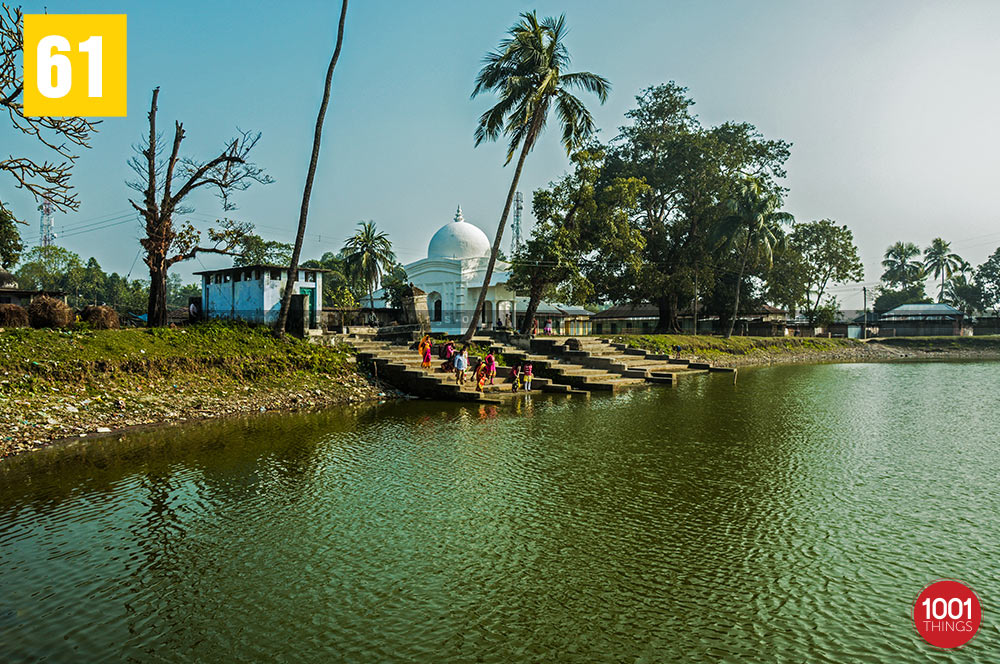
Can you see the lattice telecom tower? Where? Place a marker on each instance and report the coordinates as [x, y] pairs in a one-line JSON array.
[[46, 233], [515, 243]]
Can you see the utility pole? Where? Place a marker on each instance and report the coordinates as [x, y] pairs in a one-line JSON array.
[[694, 303], [864, 330]]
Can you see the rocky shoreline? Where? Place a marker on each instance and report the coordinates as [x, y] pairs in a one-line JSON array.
[[100, 405], [59, 415], [862, 352], [869, 352]]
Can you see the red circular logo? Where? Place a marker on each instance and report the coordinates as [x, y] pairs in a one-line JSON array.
[[947, 614]]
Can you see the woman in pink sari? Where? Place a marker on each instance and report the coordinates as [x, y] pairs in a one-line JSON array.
[[426, 363]]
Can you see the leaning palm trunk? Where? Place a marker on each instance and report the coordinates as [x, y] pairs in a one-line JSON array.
[[467, 337], [293, 267], [739, 283], [533, 301]]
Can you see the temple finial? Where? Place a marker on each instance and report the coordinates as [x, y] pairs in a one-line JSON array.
[[458, 215]]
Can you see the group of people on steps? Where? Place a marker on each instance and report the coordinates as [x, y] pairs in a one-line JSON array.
[[457, 362]]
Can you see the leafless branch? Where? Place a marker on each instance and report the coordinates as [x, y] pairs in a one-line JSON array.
[[165, 245], [46, 180]]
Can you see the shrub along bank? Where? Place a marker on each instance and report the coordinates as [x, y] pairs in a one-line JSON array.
[[56, 383]]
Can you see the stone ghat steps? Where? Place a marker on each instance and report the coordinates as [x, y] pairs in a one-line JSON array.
[[401, 366], [619, 359], [574, 375], [696, 367]]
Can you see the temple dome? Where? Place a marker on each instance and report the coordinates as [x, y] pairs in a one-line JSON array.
[[459, 239]]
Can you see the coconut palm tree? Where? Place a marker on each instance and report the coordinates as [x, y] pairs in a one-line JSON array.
[[369, 255], [941, 262], [293, 267], [527, 72], [750, 228], [964, 295], [902, 264]]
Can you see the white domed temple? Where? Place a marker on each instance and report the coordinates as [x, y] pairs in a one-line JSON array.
[[452, 275]]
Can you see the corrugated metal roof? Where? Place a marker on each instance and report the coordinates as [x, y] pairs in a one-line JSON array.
[[934, 308], [552, 309], [928, 312]]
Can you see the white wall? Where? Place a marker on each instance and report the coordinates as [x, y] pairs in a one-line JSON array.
[[257, 300]]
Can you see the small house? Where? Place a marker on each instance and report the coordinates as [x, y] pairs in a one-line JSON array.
[[253, 293], [924, 320], [10, 293]]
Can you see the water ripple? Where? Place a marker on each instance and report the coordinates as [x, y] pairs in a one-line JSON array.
[[792, 518]]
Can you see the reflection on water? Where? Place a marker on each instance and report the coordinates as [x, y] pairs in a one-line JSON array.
[[793, 517]]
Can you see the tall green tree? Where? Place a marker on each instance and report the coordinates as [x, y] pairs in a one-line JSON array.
[[527, 72], [988, 280], [47, 268], [690, 171], [10, 240], [964, 294], [818, 253], [751, 229], [939, 261], [293, 266], [902, 265], [369, 256], [255, 250], [578, 219], [340, 287]]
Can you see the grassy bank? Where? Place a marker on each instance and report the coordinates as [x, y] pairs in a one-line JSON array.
[[718, 350], [740, 351], [60, 383]]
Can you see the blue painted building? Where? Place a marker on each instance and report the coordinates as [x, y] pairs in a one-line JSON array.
[[253, 293]]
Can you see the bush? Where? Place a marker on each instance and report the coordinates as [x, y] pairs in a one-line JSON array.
[[100, 317], [13, 315], [45, 311]]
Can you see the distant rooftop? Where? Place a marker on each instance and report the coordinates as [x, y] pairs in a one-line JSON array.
[[935, 311], [647, 310]]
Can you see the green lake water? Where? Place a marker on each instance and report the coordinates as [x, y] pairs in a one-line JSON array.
[[793, 517]]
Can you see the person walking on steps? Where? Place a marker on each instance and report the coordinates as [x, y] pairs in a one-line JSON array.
[[461, 362]]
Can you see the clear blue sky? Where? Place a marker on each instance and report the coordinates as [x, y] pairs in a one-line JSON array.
[[891, 107]]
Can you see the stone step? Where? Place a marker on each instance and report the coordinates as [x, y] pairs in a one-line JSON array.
[[611, 384], [576, 370]]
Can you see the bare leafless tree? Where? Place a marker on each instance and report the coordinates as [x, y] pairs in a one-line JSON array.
[[165, 245], [43, 179], [293, 267]]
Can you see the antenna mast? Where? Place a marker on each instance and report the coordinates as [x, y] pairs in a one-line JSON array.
[[45, 228], [515, 243]]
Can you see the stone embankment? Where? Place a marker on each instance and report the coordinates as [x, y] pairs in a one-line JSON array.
[[56, 385], [399, 365], [572, 366], [756, 351]]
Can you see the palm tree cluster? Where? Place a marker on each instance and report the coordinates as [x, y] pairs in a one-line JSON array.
[[907, 268]]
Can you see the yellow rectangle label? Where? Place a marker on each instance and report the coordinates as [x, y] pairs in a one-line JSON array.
[[74, 65]]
